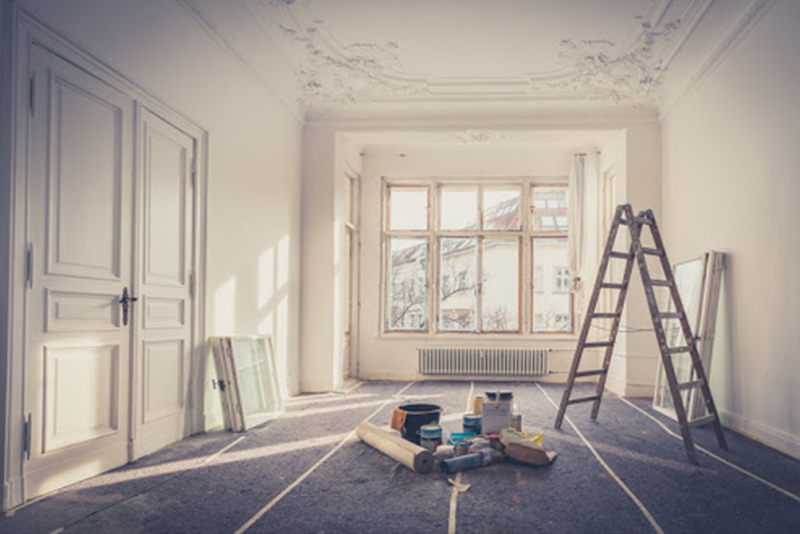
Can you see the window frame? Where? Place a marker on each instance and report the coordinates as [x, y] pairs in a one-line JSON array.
[[548, 234], [524, 237]]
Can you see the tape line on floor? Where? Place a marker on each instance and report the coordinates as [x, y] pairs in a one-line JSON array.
[[714, 456], [610, 471], [314, 467]]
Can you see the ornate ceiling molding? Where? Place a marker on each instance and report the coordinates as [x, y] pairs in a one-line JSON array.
[[597, 70]]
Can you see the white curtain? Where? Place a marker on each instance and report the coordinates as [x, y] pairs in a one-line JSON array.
[[577, 188]]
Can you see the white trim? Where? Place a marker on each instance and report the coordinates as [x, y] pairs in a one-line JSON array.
[[776, 438], [26, 30], [732, 38]]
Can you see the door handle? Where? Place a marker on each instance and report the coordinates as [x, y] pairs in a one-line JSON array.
[[126, 300]]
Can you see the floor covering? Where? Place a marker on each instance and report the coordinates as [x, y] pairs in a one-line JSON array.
[[306, 472]]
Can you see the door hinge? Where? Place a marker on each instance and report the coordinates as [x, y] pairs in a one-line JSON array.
[[191, 285], [29, 265], [194, 171], [32, 94], [27, 436]]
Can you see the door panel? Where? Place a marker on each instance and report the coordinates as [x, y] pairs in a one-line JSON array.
[[167, 161], [84, 180], [166, 225], [77, 368], [81, 392]]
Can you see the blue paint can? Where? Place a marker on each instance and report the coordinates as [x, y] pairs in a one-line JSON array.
[[472, 423], [430, 436]]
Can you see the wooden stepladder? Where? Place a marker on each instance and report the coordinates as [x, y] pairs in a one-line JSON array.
[[624, 216]]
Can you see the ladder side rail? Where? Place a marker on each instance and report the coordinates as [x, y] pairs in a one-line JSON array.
[[601, 383], [666, 359], [688, 335], [587, 319]]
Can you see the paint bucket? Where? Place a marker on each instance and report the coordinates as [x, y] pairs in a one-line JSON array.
[[472, 423], [416, 416], [430, 436]]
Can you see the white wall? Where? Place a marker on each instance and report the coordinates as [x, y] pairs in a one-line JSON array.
[[731, 183], [254, 160]]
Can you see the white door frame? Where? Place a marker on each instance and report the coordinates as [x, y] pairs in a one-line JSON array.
[[23, 30]]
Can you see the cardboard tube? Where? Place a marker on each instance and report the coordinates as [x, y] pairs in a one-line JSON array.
[[409, 454]]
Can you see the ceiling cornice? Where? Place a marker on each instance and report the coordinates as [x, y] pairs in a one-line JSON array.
[[599, 71], [230, 48], [757, 9]]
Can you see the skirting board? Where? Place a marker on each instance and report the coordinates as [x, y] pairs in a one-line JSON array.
[[12, 493], [772, 437]]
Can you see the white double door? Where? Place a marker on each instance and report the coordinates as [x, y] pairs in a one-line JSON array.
[[110, 210]]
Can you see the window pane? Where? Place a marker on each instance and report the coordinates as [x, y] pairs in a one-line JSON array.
[[459, 208], [552, 300], [500, 285], [408, 271], [501, 209], [458, 260], [408, 208], [550, 208]]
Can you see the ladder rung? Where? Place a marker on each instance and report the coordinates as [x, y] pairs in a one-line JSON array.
[[690, 385], [623, 221], [669, 315], [583, 399], [665, 283], [595, 344], [593, 372], [605, 315], [623, 255], [652, 251], [612, 286], [702, 420], [676, 350]]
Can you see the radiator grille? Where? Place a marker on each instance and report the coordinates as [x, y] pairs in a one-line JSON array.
[[483, 361]]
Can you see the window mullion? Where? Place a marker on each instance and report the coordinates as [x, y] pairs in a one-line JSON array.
[[479, 285]]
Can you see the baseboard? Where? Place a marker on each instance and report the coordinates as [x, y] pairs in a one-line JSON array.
[[316, 386], [770, 436], [12, 493]]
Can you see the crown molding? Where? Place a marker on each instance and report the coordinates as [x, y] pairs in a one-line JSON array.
[[599, 71], [204, 22], [757, 9]]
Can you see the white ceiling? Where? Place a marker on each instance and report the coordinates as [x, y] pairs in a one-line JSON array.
[[345, 55]]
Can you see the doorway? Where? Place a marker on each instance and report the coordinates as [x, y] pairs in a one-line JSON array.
[[112, 258]]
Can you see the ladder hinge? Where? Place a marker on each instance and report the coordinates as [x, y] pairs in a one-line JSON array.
[[26, 436], [32, 94], [29, 265]]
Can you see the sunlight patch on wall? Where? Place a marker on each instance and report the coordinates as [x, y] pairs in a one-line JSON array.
[[266, 277], [225, 307]]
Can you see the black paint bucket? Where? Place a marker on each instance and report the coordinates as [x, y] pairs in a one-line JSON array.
[[416, 416]]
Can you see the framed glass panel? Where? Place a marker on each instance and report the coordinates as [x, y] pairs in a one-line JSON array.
[[459, 208], [501, 209], [246, 366], [407, 208], [408, 273], [458, 257], [500, 291], [550, 208], [689, 277], [552, 299]]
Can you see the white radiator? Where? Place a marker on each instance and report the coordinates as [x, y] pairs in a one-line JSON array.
[[483, 361]]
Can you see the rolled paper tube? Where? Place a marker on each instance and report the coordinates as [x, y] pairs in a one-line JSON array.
[[411, 455], [462, 463]]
